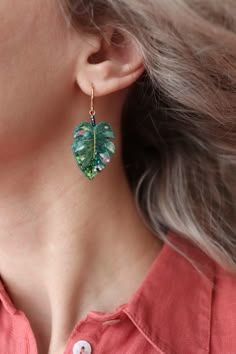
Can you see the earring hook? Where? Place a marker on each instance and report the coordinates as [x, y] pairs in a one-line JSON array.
[[92, 111]]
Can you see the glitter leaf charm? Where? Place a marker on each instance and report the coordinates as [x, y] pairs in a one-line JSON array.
[[92, 148]]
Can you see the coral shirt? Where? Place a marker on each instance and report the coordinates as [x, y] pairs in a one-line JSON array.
[[175, 310]]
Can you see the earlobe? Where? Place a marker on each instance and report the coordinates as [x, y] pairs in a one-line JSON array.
[[109, 66]]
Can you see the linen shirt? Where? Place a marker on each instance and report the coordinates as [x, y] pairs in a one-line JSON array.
[[177, 309]]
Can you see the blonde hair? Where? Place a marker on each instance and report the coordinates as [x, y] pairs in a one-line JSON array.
[[179, 132]]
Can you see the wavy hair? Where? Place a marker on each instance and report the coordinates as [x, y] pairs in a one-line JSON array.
[[179, 120]]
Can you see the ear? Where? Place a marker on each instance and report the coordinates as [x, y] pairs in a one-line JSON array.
[[110, 62]]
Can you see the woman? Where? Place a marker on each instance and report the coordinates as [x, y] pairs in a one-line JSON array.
[[138, 255]]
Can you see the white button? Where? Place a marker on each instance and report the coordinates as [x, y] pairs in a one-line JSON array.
[[82, 347]]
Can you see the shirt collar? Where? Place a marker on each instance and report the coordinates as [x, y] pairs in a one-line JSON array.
[[172, 307]]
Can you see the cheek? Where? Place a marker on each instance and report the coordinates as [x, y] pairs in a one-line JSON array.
[[35, 73]]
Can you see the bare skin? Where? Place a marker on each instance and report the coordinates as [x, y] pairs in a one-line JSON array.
[[67, 245]]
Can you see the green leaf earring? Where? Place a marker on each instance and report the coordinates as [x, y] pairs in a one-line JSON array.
[[92, 148]]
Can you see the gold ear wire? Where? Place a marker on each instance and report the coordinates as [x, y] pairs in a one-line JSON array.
[[92, 111]]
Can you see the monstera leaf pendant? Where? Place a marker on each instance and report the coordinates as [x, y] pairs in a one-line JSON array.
[[92, 148]]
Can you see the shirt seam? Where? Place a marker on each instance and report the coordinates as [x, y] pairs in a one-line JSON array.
[[149, 337], [211, 309], [27, 345]]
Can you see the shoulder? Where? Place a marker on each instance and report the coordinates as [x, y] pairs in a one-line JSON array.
[[201, 306], [223, 314]]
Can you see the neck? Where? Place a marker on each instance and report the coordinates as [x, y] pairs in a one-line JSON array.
[[67, 242]]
